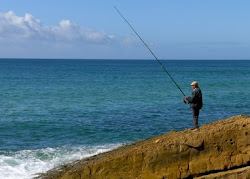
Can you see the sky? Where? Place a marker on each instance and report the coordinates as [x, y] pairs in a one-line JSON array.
[[92, 29]]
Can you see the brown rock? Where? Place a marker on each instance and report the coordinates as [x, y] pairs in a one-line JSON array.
[[241, 173], [215, 147]]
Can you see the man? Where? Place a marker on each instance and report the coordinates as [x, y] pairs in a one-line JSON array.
[[195, 102]]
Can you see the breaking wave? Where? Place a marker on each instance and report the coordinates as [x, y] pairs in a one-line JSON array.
[[27, 164]]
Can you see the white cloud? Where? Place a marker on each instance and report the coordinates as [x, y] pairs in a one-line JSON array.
[[130, 40], [27, 37], [13, 27]]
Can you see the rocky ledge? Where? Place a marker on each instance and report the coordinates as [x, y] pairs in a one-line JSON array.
[[217, 150]]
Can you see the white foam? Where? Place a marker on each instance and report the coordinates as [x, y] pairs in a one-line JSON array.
[[26, 163]]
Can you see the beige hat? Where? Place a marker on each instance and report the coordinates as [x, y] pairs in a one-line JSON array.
[[194, 83]]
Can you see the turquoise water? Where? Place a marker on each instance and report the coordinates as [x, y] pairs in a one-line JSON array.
[[54, 111]]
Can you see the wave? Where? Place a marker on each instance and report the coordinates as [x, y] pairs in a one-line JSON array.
[[26, 164]]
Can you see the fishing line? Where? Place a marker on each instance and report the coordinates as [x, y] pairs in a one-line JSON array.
[[160, 63]]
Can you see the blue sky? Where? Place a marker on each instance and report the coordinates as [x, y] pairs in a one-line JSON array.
[[174, 29]]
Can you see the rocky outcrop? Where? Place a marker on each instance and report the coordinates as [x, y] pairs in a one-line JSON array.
[[222, 146], [240, 173]]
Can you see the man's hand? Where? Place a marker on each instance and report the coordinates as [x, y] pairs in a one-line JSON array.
[[185, 100]]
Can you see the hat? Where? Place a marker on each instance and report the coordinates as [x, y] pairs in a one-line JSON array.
[[194, 83]]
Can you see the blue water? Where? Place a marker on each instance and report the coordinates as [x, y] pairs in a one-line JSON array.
[[54, 111]]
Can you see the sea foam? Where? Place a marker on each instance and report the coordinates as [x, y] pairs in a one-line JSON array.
[[27, 164]]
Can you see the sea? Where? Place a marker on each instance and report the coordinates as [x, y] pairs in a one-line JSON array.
[[54, 111]]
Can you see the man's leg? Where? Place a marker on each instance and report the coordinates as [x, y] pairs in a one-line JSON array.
[[195, 118]]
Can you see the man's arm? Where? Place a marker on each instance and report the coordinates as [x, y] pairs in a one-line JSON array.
[[191, 99]]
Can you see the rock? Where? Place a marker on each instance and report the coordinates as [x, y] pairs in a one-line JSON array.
[[214, 148], [241, 173]]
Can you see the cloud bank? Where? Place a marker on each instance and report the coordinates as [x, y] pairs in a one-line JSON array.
[[27, 37], [13, 27]]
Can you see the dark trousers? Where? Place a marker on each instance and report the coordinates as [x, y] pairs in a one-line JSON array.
[[196, 113]]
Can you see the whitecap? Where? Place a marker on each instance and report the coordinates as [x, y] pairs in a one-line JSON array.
[[26, 164]]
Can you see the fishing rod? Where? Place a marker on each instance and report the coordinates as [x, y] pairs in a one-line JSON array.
[[160, 63]]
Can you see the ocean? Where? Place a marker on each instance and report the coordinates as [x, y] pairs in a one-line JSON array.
[[54, 111]]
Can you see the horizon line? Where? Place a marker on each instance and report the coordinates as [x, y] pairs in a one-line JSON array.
[[9, 58]]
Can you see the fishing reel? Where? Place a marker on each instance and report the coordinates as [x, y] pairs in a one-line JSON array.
[[185, 101]]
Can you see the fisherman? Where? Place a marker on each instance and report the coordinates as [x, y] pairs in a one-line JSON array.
[[195, 102]]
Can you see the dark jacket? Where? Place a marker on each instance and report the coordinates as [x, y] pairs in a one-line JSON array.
[[195, 100]]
